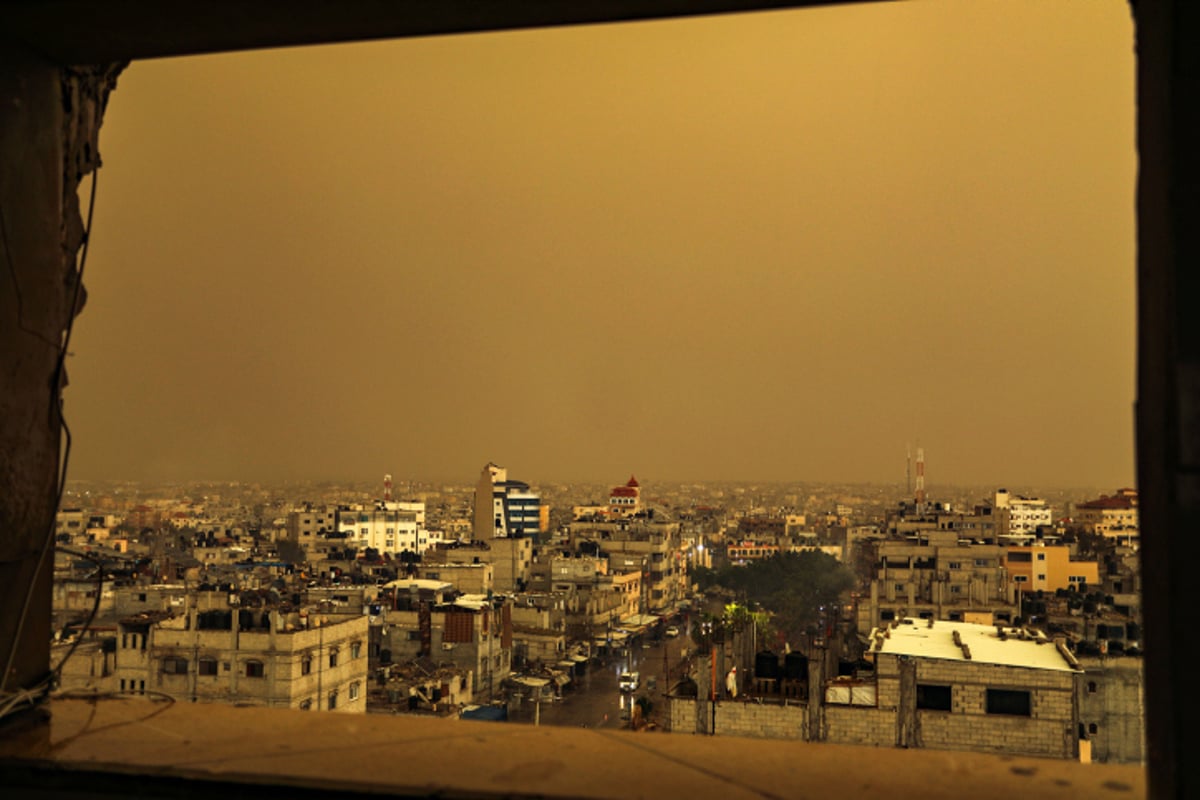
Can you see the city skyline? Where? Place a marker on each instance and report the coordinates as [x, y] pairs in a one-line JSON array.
[[772, 247]]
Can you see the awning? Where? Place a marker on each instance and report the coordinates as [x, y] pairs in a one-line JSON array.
[[535, 683]]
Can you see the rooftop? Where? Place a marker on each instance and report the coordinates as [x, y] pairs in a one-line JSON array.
[[1016, 648]]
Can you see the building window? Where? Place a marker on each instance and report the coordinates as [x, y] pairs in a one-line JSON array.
[[1017, 703], [1093, 728], [333, 700], [355, 649], [1041, 556], [933, 698], [174, 665], [354, 690], [1091, 687], [954, 565], [305, 705], [206, 666], [1041, 577], [306, 665], [333, 657], [254, 669]]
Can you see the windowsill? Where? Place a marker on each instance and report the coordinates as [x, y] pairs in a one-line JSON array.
[[123, 739]]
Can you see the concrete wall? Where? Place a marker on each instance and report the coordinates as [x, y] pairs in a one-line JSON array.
[[1111, 696]]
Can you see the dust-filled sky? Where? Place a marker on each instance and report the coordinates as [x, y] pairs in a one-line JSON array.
[[777, 246]]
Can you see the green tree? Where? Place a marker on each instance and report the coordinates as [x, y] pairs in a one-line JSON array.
[[797, 588]]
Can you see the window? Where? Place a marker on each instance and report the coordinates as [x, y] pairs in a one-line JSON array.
[[1093, 728], [305, 705], [954, 565], [174, 665], [306, 665], [333, 657], [933, 698], [1041, 556], [1091, 687], [333, 698], [354, 687], [355, 649], [1041, 577], [1020, 558], [254, 669], [206, 666], [1017, 703]]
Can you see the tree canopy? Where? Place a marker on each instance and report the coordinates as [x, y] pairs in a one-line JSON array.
[[795, 587]]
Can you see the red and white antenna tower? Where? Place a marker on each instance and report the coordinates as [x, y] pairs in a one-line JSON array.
[[387, 488], [920, 495]]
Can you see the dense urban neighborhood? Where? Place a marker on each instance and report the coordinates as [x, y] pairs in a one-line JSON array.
[[990, 621]]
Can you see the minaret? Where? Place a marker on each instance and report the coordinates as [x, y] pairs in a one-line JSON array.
[[387, 488]]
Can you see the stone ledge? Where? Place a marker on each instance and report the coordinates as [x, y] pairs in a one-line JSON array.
[[208, 748]]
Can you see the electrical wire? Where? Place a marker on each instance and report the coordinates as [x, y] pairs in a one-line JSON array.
[[39, 690]]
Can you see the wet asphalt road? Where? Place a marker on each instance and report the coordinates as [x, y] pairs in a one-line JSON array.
[[594, 701]]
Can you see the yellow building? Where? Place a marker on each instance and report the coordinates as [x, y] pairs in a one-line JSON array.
[[1048, 568]]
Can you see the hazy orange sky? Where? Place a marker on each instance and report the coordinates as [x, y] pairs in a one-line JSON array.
[[776, 246]]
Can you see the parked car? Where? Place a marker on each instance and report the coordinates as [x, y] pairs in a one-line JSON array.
[[628, 682], [673, 631]]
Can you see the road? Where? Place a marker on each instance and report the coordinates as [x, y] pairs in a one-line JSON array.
[[595, 702]]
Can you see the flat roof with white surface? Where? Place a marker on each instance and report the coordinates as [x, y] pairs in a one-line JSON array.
[[984, 644]]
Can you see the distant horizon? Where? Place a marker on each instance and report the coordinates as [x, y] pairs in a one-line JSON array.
[[362, 483]]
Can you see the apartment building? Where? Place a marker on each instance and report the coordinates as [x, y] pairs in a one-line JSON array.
[[1048, 568], [936, 576], [1114, 517], [389, 527], [261, 657], [647, 545], [511, 558]]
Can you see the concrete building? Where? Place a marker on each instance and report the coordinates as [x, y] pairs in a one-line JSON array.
[[420, 619], [506, 507], [653, 547], [245, 656], [1020, 517], [1112, 708], [307, 523], [511, 559], [935, 576], [1048, 568], [389, 527], [937, 685], [1114, 517]]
